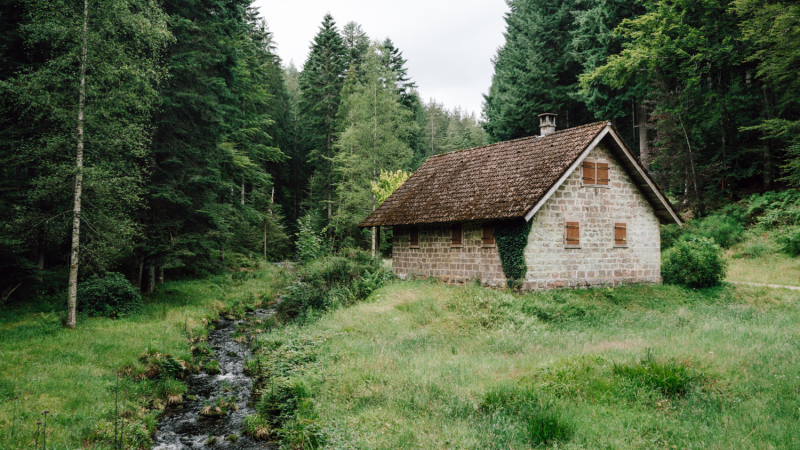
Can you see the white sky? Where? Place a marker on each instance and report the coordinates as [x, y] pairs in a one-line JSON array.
[[449, 44]]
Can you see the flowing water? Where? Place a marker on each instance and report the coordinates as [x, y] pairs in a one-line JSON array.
[[185, 428]]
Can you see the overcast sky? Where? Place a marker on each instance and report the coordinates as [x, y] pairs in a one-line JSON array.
[[449, 44]]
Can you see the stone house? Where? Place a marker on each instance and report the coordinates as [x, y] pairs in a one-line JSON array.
[[594, 211]]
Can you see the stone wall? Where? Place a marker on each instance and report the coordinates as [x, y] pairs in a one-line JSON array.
[[550, 265], [597, 261], [436, 257]]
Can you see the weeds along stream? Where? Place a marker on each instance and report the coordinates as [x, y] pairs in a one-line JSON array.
[[214, 412]]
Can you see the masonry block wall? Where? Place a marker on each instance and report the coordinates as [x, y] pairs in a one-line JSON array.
[[436, 257], [597, 209]]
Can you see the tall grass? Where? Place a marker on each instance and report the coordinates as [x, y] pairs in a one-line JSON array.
[[71, 373], [421, 365]]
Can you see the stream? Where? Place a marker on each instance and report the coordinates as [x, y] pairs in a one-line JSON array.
[[183, 427]]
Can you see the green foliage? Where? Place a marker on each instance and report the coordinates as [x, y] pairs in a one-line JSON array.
[[790, 241], [111, 295], [309, 244], [695, 262], [342, 279], [725, 231], [511, 238], [670, 378], [543, 423], [387, 184]]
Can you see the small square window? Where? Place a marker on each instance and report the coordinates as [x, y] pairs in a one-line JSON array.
[[595, 173], [487, 235], [620, 234], [572, 234], [457, 236]]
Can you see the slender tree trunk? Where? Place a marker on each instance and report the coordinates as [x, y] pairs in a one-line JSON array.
[[242, 197], [161, 275], [151, 279], [374, 162], [691, 164], [139, 272], [76, 217], [644, 152]]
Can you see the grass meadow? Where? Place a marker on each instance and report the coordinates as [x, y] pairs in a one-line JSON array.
[[427, 366], [71, 373]]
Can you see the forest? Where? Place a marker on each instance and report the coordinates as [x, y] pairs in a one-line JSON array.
[[168, 140]]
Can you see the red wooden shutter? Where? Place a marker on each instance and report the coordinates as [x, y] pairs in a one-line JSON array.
[[620, 234], [602, 173], [488, 234], [573, 233], [457, 234], [589, 173], [414, 239]]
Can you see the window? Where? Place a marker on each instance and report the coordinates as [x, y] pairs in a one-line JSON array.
[[487, 235], [620, 235], [456, 234], [414, 237], [572, 234], [595, 173], [589, 172]]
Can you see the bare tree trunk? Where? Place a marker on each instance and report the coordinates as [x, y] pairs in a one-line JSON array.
[[76, 218], [242, 197], [161, 275], [139, 277], [151, 280], [691, 164], [644, 151]]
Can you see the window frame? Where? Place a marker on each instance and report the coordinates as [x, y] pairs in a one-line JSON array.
[[614, 234], [490, 226], [410, 234], [566, 228], [453, 243], [596, 181]]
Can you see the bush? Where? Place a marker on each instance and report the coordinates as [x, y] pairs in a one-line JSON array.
[[695, 262], [725, 231], [347, 277], [543, 423], [790, 241], [754, 249], [110, 296], [670, 378]]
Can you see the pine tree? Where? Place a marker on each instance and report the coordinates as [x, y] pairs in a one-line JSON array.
[[91, 100], [374, 138], [357, 43], [534, 71], [397, 64], [321, 84]]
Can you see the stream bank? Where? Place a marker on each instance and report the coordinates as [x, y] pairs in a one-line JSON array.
[[197, 423]]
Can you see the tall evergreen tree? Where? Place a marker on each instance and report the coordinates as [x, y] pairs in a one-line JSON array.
[[94, 93], [374, 138], [534, 71], [321, 84], [357, 43]]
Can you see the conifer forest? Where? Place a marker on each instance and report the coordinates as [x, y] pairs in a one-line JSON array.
[[168, 139]]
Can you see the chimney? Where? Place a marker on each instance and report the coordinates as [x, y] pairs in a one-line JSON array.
[[547, 123]]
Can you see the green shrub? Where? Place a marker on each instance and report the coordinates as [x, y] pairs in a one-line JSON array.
[[754, 249], [511, 237], [309, 244], [670, 234], [790, 241], [725, 231], [349, 276], [543, 423], [695, 263], [109, 296], [670, 378]]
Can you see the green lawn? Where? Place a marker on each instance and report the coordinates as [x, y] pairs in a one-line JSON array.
[[758, 260], [426, 366], [71, 372]]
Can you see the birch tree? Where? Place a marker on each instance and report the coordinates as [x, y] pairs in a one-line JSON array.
[[95, 92]]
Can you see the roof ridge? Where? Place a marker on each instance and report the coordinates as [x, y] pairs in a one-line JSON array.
[[521, 139]]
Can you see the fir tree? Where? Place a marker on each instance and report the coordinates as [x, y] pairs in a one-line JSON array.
[[321, 84]]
